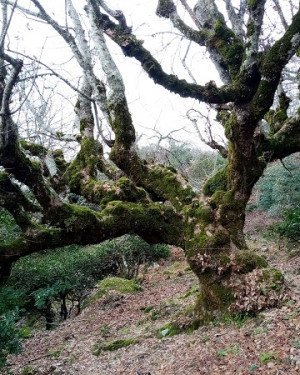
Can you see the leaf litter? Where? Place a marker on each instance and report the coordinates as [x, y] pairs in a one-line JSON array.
[[267, 344]]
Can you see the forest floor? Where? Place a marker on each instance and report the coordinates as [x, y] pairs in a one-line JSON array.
[[137, 322]]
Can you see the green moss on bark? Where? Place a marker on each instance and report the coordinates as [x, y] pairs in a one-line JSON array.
[[86, 164], [229, 46], [60, 161], [106, 191], [165, 8], [275, 118], [150, 221], [218, 182], [231, 127], [248, 261], [169, 186], [213, 300], [34, 149]]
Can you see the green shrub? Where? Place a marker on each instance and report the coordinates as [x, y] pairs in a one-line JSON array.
[[131, 251], [290, 226], [279, 188], [9, 337], [9, 230], [12, 302], [11, 298], [63, 277]]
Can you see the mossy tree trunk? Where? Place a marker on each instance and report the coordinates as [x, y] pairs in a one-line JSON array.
[[214, 239], [215, 245], [150, 200]]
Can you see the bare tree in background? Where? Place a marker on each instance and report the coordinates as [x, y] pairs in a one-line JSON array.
[[208, 225]]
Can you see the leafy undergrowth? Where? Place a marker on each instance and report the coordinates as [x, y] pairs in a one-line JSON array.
[[152, 331]]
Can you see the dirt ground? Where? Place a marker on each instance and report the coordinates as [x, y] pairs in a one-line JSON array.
[[268, 344]]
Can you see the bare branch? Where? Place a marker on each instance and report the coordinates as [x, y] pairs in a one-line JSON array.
[[274, 62], [116, 100], [6, 23], [11, 81], [132, 47], [211, 142], [281, 15], [53, 72], [185, 65], [83, 61], [117, 14], [191, 13], [236, 19]]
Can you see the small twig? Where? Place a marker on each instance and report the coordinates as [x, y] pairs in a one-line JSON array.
[[285, 167]]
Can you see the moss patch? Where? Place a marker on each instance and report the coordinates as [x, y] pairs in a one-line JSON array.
[[248, 261], [34, 148], [113, 345], [215, 183], [117, 284], [177, 327], [120, 285], [169, 186]]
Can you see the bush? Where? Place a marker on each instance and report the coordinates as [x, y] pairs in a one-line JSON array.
[[290, 226], [9, 230], [204, 166], [279, 188], [131, 251], [11, 302], [9, 337], [62, 277]]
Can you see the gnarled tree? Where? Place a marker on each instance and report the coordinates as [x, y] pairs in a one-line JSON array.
[[147, 199]]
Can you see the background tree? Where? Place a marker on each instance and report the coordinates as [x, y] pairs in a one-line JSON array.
[[208, 225]]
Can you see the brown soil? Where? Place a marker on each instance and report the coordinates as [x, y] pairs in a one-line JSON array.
[[268, 344]]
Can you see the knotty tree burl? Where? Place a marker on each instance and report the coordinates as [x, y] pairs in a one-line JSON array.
[[150, 200]]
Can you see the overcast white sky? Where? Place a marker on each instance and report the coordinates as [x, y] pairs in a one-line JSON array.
[[151, 105]]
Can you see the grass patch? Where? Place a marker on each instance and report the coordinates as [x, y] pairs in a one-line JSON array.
[[266, 357]]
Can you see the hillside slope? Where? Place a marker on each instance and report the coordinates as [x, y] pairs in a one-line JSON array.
[[130, 333]]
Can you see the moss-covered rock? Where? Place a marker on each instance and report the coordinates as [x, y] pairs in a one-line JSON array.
[[118, 284], [113, 345]]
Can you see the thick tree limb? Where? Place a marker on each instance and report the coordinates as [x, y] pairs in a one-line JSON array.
[[286, 141], [273, 63], [154, 222], [256, 12], [203, 37]]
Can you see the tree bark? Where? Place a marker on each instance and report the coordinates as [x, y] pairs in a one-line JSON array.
[[150, 200]]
